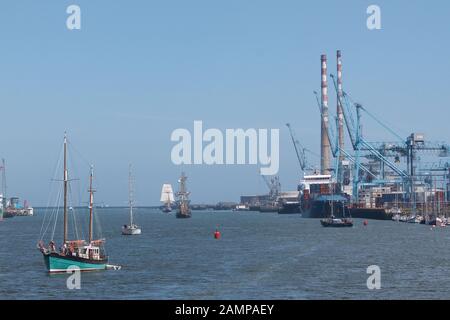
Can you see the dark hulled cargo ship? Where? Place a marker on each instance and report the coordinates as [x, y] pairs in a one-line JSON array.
[[323, 206], [319, 198], [290, 207], [289, 202], [371, 213]]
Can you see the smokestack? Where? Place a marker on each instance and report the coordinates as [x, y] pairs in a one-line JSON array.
[[325, 144], [339, 107]]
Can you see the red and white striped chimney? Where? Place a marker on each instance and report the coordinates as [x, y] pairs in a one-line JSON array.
[[339, 107], [325, 144]]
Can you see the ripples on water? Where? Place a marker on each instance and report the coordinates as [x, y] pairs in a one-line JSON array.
[[260, 256]]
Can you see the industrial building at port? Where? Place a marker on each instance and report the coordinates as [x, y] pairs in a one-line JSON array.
[[365, 179]]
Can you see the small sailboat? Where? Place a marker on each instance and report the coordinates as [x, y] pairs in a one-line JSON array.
[[241, 207], [132, 228], [334, 222], [184, 211], [167, 198], [414, 219], [86, 255]]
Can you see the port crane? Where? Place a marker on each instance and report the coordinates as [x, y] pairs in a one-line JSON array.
[[300, 151], [382, 151], [437, 170], [336, 150], [359, 143], [274, 186]]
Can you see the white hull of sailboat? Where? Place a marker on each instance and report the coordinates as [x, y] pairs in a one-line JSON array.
[[131, 231]]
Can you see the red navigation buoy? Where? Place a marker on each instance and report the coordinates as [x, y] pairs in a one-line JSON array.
[[365, 222], [217, 235]]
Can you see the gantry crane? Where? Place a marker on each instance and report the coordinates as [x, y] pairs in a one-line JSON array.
[[300, 151], [381, 151]]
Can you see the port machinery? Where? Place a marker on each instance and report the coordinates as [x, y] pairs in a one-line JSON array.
[[382, 170], [369, 165], [300, 151], [382, 151]]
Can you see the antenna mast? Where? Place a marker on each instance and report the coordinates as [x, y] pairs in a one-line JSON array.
[[130, 186], [65, 187], [91, 204]]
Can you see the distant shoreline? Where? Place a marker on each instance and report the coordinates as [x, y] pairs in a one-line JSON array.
[[109, 207], [194, 207]]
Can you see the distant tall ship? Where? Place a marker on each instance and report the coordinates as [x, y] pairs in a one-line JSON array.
[[184, 211], [86, 255], [132, 228], [167, 198]]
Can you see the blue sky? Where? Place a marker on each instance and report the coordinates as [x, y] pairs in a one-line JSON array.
[[137, 70]]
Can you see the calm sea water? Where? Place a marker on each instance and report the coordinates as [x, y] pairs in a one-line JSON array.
[[260, 256]]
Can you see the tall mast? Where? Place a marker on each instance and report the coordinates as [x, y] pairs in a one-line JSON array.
[[4, 183], [183, 193], [91, 204], [130, 189], [182, 186], [65, 188]]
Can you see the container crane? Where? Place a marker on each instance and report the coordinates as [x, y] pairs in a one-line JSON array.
[[381, 151], [300, 151], [336, 149], [359, 143]]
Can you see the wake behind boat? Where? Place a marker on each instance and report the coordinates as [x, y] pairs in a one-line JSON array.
[[83, 255]]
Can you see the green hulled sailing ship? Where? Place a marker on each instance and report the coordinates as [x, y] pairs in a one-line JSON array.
[[75, 254]]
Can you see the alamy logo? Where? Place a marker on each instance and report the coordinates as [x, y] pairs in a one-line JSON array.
[[237, 147], [74, 281], [73, 21], [374, 19], [374, 280]]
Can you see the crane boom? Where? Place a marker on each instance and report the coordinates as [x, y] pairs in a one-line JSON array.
[[335, 148], [299, 150], [358, 141], [273, 185]]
